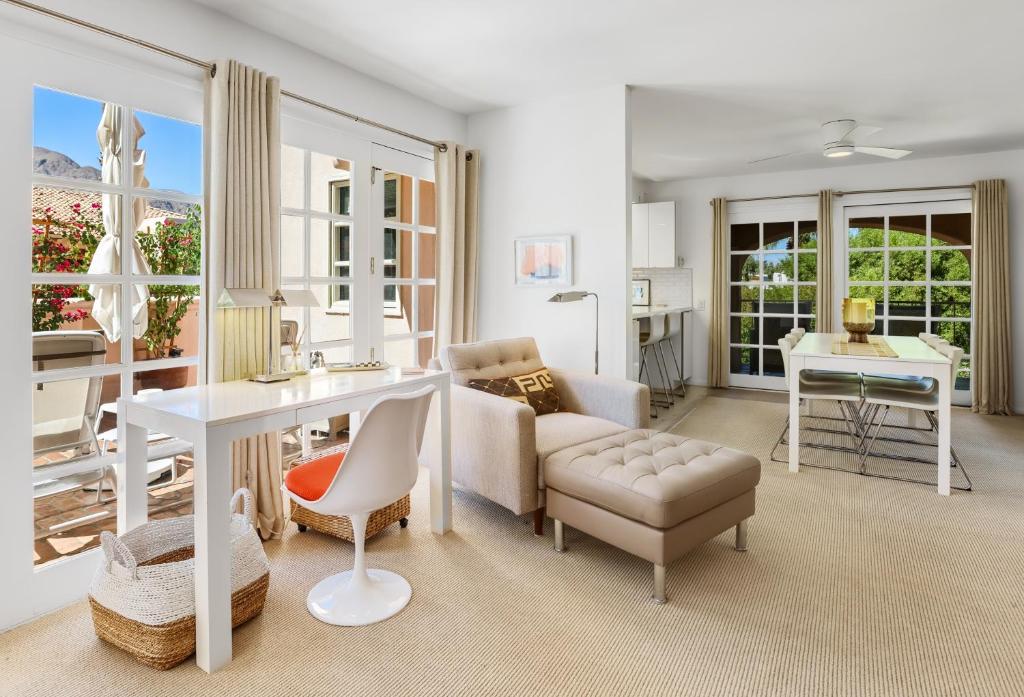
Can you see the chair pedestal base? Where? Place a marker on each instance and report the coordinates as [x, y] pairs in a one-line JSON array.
[[342, 600]]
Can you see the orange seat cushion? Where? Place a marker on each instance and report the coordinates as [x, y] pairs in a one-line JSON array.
[[310, 480]]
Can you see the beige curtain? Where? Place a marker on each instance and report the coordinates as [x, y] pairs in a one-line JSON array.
[[718, 330], [992, 363], [825, 321], [243, 150], [456, 173]]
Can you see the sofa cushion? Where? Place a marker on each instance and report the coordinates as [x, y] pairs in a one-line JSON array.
[[559, 431], [503, 358], [655, 478], [536, 389]]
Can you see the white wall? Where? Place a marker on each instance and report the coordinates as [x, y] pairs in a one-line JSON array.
[[558, 166], [693, 219]]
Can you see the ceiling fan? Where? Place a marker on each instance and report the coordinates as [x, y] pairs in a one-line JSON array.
[[842, 138]]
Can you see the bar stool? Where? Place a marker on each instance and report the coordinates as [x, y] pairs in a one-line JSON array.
[[673, 328], [652, 331]]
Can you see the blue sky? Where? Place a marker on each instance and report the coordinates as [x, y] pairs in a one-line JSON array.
[[67, 123]]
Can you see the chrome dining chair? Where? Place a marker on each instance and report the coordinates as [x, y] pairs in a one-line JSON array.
[[882, 393]]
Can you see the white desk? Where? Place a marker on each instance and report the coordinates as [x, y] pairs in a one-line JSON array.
[[211, 417], [915, 357]]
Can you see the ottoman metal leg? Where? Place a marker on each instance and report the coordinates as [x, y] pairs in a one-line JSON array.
[[741, 536], [659, 584], [559, 536]]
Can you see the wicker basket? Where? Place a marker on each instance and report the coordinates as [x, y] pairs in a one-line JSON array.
[[143, 597], [339, 525]]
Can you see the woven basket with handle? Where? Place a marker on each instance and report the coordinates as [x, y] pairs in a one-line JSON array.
[[339, 525], [143, 596]]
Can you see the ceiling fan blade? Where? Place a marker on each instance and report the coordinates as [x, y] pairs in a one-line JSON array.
[[774, 157], [891, 153], [859, 132]]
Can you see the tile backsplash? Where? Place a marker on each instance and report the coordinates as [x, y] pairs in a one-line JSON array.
[[669, 286]]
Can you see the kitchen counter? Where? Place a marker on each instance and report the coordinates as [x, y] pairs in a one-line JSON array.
[[640, 312]]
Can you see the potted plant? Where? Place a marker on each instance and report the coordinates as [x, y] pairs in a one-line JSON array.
[[172, 247]]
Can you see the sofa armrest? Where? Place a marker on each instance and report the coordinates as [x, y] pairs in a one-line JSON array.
[[494, 448], [622, 401]]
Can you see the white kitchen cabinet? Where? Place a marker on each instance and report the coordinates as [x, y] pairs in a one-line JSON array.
[[654, 235]]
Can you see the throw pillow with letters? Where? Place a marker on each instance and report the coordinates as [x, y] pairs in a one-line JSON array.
[[536, 389]]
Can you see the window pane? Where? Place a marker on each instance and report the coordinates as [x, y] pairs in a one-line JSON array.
[[775, 328], [744, 361], [425, 310], [956, 333], [64, 416], [170, 237], [963, 375], [745, 298], [778, 268], [876, 292], [293, 321], [332, 320], [807, 267], [867, 232], [425, 266], [744, 238], [64, 333], [403, 262], [778, 300], [907, 266], [951, 229], [806, 322], [173, 154], [744, 268], [907, 301], [951, 265], [907, 231], [778, 236], [64, 135], [164, 378], [904, 327], [807, 234], [773, 363], [397, 197], [292, 244], [327, 175], [320, 252], [397, 309], [293, 177], [744, 330], [807, 300], [401, 353], [173, 321], [951, 301], [67, 226], [428, 215], [866, 266], [426, 350]]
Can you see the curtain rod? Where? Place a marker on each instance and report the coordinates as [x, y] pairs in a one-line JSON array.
[[205, 65], [850, 193]]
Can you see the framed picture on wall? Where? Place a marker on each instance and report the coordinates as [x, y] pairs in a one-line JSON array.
[[544, 261], [641, 292]]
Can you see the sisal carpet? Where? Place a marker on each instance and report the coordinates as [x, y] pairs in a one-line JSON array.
[[852, 586]]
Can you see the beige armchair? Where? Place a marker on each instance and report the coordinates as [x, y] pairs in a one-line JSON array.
[[499, 445]]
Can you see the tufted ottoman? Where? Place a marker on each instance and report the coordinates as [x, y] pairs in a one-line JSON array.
[[653, 494]]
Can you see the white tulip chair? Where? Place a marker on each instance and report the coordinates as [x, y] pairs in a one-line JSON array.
[[380, 467]]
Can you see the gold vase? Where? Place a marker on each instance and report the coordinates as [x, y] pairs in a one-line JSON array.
[[858, 318]]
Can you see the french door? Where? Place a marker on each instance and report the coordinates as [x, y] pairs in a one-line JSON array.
[[358, 230], [914, 259]]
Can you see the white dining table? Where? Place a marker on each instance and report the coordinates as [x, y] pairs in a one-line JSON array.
[[211, 417], [914, 357]]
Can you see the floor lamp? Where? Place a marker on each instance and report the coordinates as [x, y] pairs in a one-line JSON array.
[[573, 296]]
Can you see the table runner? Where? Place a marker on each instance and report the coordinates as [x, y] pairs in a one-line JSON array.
[[877, 347]]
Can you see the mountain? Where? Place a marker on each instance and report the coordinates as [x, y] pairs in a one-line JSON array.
[[56, 164]]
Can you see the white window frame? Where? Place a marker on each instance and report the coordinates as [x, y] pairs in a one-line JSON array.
[[897, 208]]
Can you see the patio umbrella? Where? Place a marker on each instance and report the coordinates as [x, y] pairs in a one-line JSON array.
[[106, 309]]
